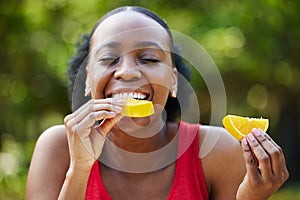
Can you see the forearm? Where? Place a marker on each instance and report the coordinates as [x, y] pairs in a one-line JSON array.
[[75, 184]]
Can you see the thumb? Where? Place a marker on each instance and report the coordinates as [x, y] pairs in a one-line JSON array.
[[107, 124], [251, 162], [97, 142]]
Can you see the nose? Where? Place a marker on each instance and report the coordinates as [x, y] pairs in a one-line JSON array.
[[127, 71]]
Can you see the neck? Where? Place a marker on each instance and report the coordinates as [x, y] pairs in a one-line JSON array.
[[141, 135], [130, 153]]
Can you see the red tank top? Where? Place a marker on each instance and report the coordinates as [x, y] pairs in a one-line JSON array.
[[189, 182]]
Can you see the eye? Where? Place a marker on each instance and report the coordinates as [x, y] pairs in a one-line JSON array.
[[108, 60], [148, 59]]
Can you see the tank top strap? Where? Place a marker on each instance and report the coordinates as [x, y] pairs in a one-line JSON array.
[[189, 182], [95, 188]]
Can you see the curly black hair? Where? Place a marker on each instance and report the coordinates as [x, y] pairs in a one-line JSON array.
[[78, 62]]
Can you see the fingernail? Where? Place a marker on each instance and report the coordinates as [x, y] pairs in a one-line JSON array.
[[251, 137], [256, 132], [245, 144], [261, 131], [118, 108], [112, 113], [119, 101]]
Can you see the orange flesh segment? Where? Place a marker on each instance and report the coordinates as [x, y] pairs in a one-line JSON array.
[[137, 108], [239, 126]]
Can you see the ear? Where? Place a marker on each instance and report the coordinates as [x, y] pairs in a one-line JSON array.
[[87, 83], [174, 83]]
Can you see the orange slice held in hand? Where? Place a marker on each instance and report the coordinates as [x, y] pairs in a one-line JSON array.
[[137, 108], [239, 126]]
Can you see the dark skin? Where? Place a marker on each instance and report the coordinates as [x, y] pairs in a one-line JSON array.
[[149, 184], [129, 62]]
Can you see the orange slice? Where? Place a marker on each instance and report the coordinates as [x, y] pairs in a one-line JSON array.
[[137, 108], [239, 126]]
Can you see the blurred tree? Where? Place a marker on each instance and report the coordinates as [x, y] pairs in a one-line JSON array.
[[255, 45]]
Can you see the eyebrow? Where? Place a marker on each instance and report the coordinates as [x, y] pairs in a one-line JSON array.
[[112, 44], [148, 44], [142, 44]]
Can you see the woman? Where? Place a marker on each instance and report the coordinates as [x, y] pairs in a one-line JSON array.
[[129, 54]]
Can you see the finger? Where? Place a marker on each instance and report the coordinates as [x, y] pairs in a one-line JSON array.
[[86, 112], [68, 118], [83, 107], [113, 101], [97, 142], [90, 119], [107, 124], [251, 165], [91, 108], [98, 107], [280, 149], [94, 140], [274, 151], [261, 155], [90, 104], [118, 102], [269, 138]]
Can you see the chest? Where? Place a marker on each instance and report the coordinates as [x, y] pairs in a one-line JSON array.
[[151, 185]]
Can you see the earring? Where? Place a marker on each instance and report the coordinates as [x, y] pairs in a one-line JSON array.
[[173, 94], [87, 92]]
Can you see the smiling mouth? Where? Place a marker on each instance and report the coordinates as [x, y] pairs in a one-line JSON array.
[[133, 95]]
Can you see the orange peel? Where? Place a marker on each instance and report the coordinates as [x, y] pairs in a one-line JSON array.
[[137, 108], [239, 126]]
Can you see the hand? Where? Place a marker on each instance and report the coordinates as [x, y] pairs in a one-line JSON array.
[[84, 138], [265, 164]]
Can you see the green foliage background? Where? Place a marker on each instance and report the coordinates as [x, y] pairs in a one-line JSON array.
[[255, 45]]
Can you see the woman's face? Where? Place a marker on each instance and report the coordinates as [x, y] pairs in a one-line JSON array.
[[130, 56]]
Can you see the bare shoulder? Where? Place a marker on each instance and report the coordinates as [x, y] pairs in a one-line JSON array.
[[216, 139], [53, 143], [222, 163], [49, 163], [54, 137]]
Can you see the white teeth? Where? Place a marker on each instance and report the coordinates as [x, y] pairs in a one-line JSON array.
[[129, 95], [116, 96], [142, 96]]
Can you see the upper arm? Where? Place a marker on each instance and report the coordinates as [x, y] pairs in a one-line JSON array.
[[49, 164], [223, 166]]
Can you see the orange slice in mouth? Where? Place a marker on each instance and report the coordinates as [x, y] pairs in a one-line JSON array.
[[138, 108], [239, 126]]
